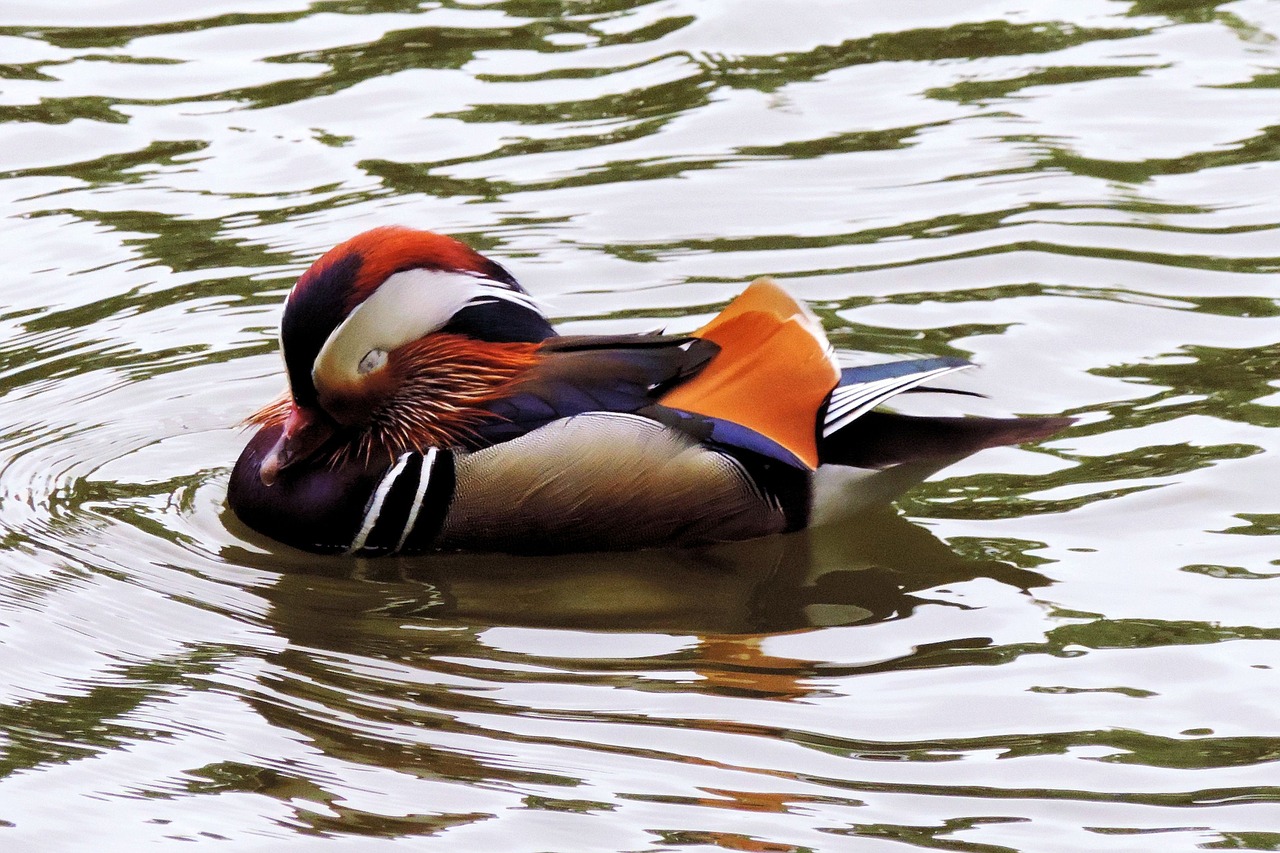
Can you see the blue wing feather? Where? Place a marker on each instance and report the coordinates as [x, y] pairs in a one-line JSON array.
[[593, 374], [864, 373], [727, 434]]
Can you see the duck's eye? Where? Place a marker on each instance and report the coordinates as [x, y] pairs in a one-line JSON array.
[[374, 359]]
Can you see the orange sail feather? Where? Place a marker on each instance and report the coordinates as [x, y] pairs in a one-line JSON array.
[[774, 370]]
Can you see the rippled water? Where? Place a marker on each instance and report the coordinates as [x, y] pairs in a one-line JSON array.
[[1064, 647]]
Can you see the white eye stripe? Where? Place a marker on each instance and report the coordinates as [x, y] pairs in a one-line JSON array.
[[407, 306]]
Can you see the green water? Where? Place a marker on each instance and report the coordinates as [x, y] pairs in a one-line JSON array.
[[1070, 646]]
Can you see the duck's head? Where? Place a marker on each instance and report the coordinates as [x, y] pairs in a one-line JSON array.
[[389, 340]]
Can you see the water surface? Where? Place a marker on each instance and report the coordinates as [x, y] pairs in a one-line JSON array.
[[1069, 646]]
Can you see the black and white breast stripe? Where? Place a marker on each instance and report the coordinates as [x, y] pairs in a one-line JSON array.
[[407, 507]]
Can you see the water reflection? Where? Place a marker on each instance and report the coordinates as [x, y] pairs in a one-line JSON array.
[[876, 569]]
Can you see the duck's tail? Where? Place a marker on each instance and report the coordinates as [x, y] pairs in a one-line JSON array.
[[852, 434], [880, 439]]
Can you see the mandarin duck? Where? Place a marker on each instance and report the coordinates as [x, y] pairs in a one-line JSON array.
[[431, 406]]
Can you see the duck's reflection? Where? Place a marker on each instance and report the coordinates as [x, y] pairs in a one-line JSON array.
[[869, 569], [380, 645]]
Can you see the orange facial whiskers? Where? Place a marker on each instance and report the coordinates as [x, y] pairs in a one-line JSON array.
[[437, 388], [444, 380]]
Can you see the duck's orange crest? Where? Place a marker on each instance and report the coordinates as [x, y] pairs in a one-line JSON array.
[[384, 251]]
